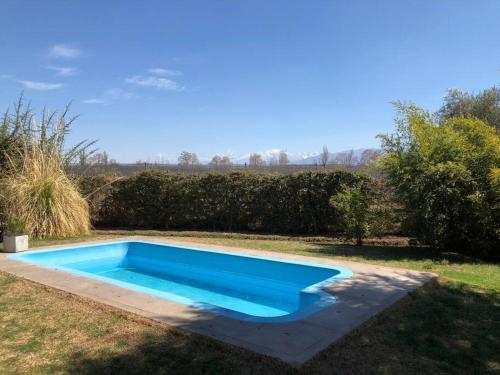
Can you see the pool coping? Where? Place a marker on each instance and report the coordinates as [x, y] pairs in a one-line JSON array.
[[370, 290]]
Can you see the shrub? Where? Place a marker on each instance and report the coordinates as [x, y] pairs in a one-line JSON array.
[[383, 209], [365, 208], [95, 189], [445, 178], [352, 204], [225, 201]]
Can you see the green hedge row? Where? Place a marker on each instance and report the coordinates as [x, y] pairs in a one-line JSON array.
[[235, 201]]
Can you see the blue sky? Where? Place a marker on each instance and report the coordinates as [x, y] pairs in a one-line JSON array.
[[232, 77]]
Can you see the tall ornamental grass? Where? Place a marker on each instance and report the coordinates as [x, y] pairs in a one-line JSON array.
[[38, 193], [34, 188]]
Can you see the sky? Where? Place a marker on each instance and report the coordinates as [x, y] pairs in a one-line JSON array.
[[150, 79]]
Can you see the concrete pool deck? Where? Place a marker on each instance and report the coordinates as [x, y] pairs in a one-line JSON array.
[[371, 290]]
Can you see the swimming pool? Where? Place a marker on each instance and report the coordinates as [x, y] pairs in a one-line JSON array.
[[244, 287]]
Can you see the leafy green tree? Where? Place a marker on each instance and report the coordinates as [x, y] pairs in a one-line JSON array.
[[484, 106], [352, 207], [444, 176]]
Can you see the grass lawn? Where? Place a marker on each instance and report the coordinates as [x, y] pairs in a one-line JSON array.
[[451, 325]]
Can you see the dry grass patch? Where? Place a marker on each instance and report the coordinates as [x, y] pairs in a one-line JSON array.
[[43, 330]]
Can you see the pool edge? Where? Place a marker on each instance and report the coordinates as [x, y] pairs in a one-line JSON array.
[[325, 298]]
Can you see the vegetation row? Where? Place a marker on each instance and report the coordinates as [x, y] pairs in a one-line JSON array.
[[440, 184]]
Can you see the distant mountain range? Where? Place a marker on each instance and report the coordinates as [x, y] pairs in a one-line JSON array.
[[306, 158], [316, 159], [298, 158]]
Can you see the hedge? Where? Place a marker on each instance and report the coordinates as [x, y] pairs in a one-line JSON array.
[[215, 201]]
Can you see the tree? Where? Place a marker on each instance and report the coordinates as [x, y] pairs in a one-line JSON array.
[[216, 161], [324, 156], [346, 159], [83, 158], [100, 158], [255, 160], [484, 106], [351, 205], [273, 160], [283, 158], [443, 175], [226, 161], [188, 159], [369, 155]]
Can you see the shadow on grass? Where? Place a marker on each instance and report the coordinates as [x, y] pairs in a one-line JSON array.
[[174, 352], [388, 253], [441, 328]]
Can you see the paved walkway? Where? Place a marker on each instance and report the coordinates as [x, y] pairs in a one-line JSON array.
[[369, 291]]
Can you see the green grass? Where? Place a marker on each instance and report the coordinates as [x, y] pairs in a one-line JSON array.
[[450, 326]]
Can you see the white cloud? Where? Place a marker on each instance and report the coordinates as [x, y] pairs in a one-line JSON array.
[[94, 101], [110, 96], [41, 86], [164, 72], [63, 71], [159, 83], [120, 94], [64, 51]]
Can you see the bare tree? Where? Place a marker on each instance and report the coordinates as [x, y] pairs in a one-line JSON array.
[[184, 158], [194, 159], [226, 161], [255, 160], [369, 155], [350, 158], [325, 155], [347, 159], [105, 158], [283, 158], [100, 158], [216, 161], [83, 156], [188, 159], [273, 160]]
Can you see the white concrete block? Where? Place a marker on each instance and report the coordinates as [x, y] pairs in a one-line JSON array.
[[15, 244]]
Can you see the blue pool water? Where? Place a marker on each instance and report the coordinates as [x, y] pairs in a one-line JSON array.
[[242, 287]]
